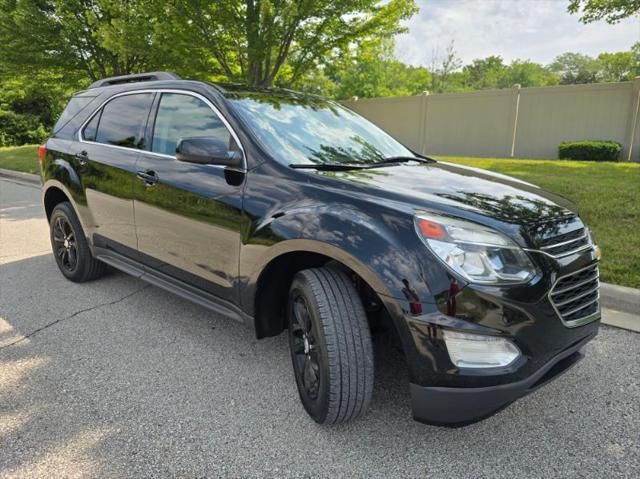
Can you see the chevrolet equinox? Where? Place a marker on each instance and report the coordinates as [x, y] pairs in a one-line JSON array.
[[287, 211]]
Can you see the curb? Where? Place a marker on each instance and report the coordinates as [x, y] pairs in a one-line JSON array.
[[620, 319], [20, 176], [620, 298]]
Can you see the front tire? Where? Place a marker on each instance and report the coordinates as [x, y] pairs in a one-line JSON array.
[[330, 345], [70, 248]]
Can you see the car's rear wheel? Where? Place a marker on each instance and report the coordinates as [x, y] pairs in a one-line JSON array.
[[70, 247], [330, 345]]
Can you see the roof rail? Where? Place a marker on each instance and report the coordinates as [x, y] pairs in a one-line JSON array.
[[151, 76]]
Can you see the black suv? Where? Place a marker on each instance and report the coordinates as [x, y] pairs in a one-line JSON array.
[[290, 212]]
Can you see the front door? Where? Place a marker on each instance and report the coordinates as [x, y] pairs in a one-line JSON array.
[[188, 215], [106, 156]]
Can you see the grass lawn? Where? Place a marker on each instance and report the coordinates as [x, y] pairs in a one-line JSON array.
[[20, 158], [608, 195]]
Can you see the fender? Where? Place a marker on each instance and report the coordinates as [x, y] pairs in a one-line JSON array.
[[60, 173], [386, 256]]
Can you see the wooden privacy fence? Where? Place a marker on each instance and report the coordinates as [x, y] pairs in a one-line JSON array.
[[516, 122]]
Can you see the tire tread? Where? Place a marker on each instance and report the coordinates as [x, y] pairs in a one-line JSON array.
[[90, 268], [348, 342]]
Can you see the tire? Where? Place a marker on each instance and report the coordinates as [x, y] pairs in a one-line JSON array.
[[330, 345], [70, 248]]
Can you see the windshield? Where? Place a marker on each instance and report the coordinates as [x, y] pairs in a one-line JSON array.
[[298, 129]]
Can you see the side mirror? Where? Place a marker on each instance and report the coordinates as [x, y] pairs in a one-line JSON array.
[[207, 151]]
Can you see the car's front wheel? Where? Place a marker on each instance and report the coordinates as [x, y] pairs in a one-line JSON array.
[[70, 247], [330, 345]]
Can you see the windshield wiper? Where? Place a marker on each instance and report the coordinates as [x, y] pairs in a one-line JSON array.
[[389, 161], [404, 159], [328, 166]]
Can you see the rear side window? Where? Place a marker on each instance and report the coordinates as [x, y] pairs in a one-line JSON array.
[[123, 120], [75, 106], [185, 116]]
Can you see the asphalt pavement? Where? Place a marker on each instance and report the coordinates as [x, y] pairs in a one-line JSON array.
[[115, 378]]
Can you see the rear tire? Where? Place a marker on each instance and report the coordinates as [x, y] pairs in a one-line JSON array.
[[330, 345], [70, 248]]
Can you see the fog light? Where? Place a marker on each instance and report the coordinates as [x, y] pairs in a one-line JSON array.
[[479, 351]]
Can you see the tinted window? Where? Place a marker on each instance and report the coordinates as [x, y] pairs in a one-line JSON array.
[[89, 132], [123, 120], [309, 129], [184, 116], [75, 106]]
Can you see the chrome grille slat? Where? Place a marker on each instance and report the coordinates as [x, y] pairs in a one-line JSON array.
[[575, 297], [581, 295], [565, 244], [574, 286], [575, 310], [556, 245]]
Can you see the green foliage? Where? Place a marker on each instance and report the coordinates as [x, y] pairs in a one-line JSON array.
[[590, 150], [265, 41], [619, 66], [370, 70], [253, 41], [575, 68], [529, 74], [83, 38], [611, 10], [486, 73], [30, 105]]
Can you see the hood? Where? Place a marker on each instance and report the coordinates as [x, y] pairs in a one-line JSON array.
[[461, 191]]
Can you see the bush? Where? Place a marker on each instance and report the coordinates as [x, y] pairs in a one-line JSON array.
[[589, 150], [21, 129]]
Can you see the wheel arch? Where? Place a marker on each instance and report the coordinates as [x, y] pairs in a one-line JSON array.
[[55, 192], [271, 283]]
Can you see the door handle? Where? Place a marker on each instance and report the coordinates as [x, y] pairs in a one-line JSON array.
[[82, 157], [149, 177]]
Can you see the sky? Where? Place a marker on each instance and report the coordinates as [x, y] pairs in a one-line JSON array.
[[537, 30]]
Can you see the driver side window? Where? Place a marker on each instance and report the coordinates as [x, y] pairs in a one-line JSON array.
[[185, 116]]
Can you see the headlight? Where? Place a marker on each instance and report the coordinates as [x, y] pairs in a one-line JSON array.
[[477, 253], [478, 351]]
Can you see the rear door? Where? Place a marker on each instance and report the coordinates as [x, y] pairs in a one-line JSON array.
[[187, 214], [106, 154]]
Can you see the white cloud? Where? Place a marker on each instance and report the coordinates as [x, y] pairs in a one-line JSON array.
[[538, 30]]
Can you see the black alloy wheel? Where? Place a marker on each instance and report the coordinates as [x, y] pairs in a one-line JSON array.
[[70, 248], [305, 348], [330, 345], [65, 247]]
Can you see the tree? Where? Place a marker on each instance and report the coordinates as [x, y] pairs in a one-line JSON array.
[[611, 10], [575, 68], [492, 73], [29, 106], [619, 66], [266, 41], [528, 74], [443, 67], [371, 70], [95, 37], [256, 41], [486, 73]]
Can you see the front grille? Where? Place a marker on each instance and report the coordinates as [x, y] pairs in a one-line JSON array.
[[563, 244], [575, 296]]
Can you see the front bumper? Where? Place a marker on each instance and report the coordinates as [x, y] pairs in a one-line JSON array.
[[454, 407]]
